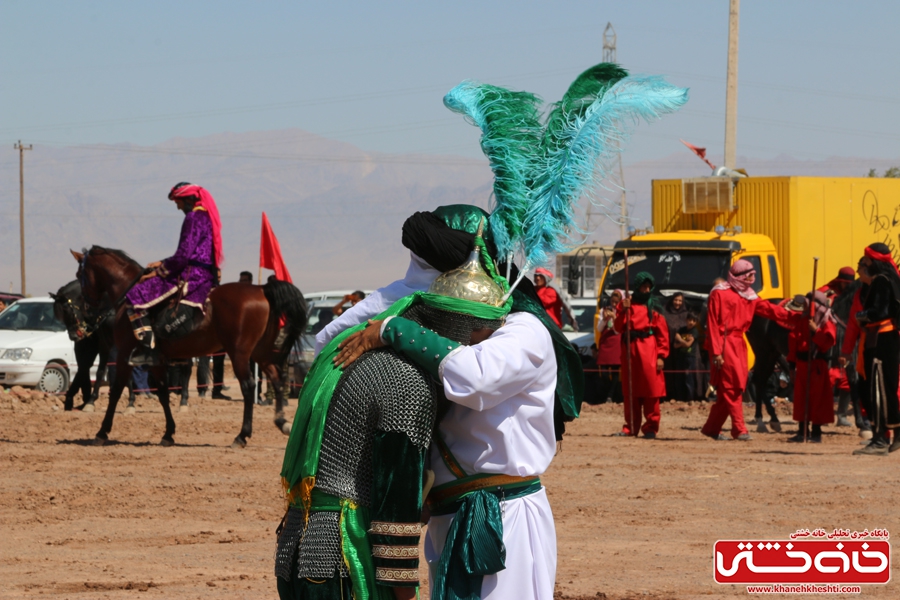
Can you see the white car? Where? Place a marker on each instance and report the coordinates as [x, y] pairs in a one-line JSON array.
[[35, 349], [583, 309]]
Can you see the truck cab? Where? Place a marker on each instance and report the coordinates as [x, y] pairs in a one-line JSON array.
[[689, 262]]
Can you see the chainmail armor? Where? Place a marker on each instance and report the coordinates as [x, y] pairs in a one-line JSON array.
[[320, 547], [380, 391], [287, 543], [453, 326]]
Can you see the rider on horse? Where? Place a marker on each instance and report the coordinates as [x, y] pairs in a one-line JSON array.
[[192, 271]]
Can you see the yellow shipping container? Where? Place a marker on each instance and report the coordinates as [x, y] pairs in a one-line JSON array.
[[833, 218]]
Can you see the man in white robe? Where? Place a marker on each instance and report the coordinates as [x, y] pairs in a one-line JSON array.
[[501, 422]]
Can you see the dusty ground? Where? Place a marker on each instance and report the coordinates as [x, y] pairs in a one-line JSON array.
[[634, 518]]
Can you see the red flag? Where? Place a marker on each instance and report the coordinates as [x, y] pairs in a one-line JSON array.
[[270, 252], [701, 152]]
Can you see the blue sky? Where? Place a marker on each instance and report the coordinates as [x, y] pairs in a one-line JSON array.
[[817, 79]]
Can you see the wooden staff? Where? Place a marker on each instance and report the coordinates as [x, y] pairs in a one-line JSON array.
[[810, 349], [628, 352]]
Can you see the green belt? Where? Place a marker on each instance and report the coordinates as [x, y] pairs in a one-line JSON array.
[[446, 498], [474, 546], [324, 502]]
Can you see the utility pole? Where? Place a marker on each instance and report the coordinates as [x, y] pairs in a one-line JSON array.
[[609, 56], [18, 146], [731, 86]]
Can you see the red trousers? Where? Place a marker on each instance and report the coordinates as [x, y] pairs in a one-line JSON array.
[[650, 407], [729, 403]]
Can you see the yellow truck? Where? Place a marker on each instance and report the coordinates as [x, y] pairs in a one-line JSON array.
[[702, 225]]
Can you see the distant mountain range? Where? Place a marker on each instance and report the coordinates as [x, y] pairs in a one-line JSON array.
[[337, 210]]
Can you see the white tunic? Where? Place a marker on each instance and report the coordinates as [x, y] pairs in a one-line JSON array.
[[419, 277], [501, 421]]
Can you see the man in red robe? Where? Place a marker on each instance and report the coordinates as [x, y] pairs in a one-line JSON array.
[[732, 306], [644, 384], [553, 304], [811, 365]]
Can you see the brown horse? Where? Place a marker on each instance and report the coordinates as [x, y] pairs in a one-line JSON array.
[[258, 323]]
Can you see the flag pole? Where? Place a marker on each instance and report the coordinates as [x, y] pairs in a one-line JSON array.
[[630, 395], [810, 350]]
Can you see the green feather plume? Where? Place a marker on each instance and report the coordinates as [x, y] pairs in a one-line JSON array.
[[511, 131]]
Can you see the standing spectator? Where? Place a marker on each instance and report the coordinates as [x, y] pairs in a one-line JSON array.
[[218, 375], [649, 338], [686, 348], [141, 381], [675, 313], [2, 305], [550, 298], [609, 352], [351, 299], [246, 277]]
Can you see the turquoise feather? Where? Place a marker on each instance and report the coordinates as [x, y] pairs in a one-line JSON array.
[[541, 172], [573, 153], [511, 132]]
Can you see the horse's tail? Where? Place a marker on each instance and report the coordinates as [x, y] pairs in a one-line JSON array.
[[285, 300]]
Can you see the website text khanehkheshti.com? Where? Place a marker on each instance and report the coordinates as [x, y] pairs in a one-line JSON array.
[[803, 588]]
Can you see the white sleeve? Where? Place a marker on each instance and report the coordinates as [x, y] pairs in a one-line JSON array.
[[506, 364], [363, 310]]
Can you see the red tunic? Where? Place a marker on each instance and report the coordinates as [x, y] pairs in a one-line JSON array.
[[728, 319], [821, 398], [647, 381], [552, 303]]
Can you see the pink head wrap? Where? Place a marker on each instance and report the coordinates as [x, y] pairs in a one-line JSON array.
[[205, 201], [542, 271], [740, 279]]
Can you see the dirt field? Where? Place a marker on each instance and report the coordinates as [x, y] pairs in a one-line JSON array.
[[634, 518]]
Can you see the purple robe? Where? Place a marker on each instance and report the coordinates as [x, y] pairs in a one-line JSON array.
[[192, 265]]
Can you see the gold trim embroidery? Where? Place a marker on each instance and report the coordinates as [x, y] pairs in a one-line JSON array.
[[401, 529], [395, 551], [399, 575]]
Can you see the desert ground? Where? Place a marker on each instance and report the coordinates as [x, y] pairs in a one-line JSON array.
[[635, 518]]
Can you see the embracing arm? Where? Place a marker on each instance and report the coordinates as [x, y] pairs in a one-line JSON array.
[[506, 364]]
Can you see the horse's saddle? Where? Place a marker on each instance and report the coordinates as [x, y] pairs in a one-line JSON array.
[[176, 320]]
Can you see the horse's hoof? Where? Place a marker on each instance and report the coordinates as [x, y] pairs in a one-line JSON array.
[[87, 408], [99, 441], [238, 443], [183, 408], [286, 428], [130, 410], [166, 442]]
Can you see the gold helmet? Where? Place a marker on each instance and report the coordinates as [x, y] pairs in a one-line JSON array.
[[469, 281]]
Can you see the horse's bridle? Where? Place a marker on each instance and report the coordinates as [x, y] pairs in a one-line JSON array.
[[95, 304], [83, 328]]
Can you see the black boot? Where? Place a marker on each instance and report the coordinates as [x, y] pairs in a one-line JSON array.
[[801, 429], [816, 436], [143, 354]]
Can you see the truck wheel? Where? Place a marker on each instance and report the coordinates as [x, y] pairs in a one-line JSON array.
[[54, 379]]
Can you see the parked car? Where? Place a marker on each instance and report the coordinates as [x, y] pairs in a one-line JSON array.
[[35, 350], [583, 309]]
